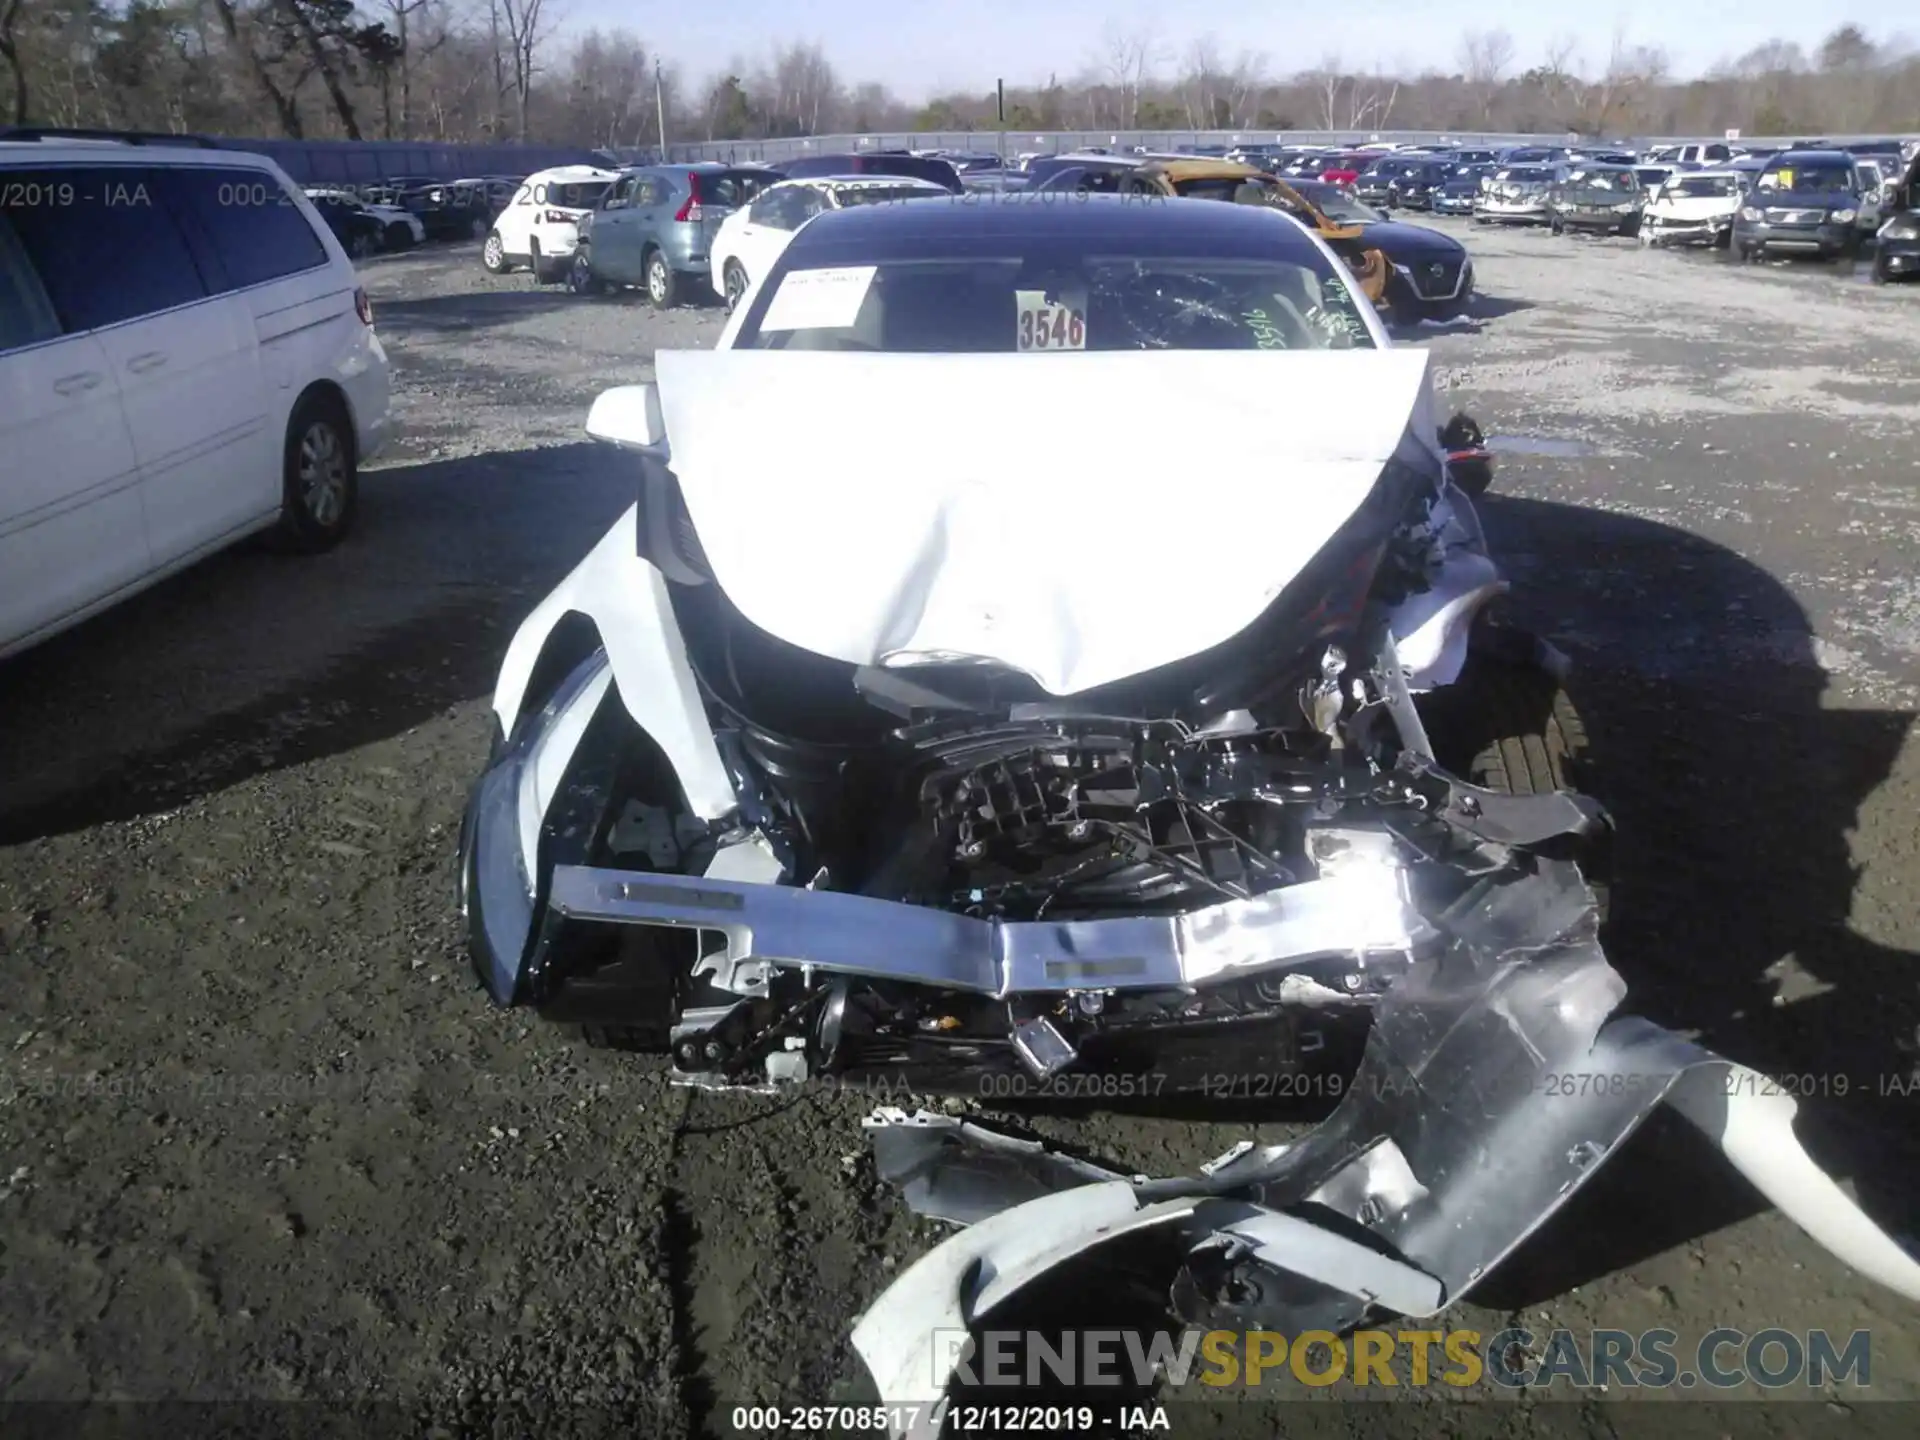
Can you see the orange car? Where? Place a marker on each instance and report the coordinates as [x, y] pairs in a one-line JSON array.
[[1229, 180]]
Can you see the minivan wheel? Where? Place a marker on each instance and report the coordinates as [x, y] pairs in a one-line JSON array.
[[321, 484], [663, 286], [493, 255], [736, 279]]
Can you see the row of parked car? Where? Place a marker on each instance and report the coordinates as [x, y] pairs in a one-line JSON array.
[[1807, 198], [405, 211], [713, 228]]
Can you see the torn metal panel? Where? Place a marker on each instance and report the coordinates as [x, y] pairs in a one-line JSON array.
[[903, 1340], [1495, 1083], [950, 1169]]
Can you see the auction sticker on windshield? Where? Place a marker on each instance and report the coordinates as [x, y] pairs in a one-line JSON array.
[[1044, 326], [828, 299]]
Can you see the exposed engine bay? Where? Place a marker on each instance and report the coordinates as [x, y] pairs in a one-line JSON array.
[[941, 873], [964, 812]]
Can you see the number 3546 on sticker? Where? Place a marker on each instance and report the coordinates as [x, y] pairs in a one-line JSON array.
[[1044, 326]]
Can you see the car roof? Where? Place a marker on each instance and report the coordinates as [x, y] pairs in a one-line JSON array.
[[1114, 219], [1203, 168], [571, 175], [120, 152], [1801, 157], [871, 180]]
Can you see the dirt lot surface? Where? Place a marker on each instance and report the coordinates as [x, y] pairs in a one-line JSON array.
[[261, 1137]]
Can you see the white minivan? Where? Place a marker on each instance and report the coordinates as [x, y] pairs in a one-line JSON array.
[[186, 359]]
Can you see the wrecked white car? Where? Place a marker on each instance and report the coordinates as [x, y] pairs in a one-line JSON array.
[[1089, 752], [1693, 208], [883, 758]]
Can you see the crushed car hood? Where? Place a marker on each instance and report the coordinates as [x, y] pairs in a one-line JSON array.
[[840, 509]]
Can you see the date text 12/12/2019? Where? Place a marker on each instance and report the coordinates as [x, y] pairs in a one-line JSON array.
[[948, 1417]]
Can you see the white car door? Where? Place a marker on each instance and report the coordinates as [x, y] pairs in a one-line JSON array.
[[771, 221], [71, 528], [179, 338]]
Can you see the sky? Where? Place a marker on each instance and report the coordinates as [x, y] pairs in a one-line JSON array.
[[919, 48]]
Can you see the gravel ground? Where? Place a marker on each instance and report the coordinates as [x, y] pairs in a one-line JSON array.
[[261, 1138]]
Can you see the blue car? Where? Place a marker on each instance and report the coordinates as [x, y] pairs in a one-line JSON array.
[[1455, 195]]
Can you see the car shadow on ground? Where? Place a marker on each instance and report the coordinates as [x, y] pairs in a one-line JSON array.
[[1735, 783], [252, 661], [1735, 787], [477, 310]]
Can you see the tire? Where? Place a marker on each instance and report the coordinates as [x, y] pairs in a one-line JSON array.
[[1556, 227], [535, 264], [493, 255], [736, 285], [1879, 274], [663, 286], [320, 478], [580, 277], [1514, 730]]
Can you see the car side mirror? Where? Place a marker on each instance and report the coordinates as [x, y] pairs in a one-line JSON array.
[[628, 416]]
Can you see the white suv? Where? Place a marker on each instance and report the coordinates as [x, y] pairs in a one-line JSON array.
[[185, 359], [540, 227]]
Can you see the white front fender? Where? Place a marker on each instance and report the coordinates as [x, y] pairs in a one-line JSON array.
[[1431, 629], [627, 601]]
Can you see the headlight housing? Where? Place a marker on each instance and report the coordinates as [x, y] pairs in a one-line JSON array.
[[1901, 227], [1748, 212], [1844, 217], [1625, 207]]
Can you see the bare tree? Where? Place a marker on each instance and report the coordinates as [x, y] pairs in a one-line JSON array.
[[802, 89], [1629, 70], [325, 61], [471, 70], [610, 91], [1560, 74], [525, 25], [249, 47], [1371, 106], [1200, 85], [409, 47], [1328, 80], [10, 52], [1485, 57], [1213, 91], [1125, 60]]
